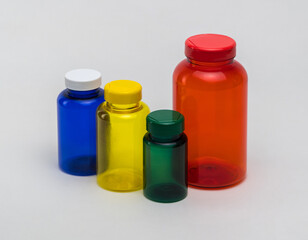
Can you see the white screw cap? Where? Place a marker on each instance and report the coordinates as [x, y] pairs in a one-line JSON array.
[[83, 79]]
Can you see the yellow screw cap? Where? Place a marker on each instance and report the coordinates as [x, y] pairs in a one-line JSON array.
[[123, 92]]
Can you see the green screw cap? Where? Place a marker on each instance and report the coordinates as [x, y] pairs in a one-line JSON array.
[[165, 123]]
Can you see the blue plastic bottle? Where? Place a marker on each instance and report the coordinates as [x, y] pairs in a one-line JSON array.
[[76, 121]]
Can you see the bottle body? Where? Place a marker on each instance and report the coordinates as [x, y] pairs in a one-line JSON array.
[[165, 169], [213, 99], [120, 129], [77, 130]]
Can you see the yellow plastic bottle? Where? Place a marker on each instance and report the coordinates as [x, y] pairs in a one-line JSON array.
[[121, 125]]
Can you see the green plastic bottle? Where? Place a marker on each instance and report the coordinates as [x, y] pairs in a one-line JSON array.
[[165, 157]]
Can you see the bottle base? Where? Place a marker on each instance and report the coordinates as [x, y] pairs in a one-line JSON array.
[[165, 193], [79, 166], [120, 180], [212, 172]]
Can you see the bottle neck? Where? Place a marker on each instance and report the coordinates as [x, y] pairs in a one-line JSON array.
[[165, 139], [83, 94], [123, 107], [210, 64]]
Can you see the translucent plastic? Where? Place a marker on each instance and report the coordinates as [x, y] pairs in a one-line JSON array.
[[120, 131], [165, 168], [213, 99], [77, 130]]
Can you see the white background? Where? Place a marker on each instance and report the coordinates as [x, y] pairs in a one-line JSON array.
[[143, 41]]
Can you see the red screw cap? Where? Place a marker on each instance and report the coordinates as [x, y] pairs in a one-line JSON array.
[[210, 48]]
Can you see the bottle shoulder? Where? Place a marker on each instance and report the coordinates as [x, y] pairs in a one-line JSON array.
[[182, 140], [217, 77], [103, 111], [145, 107], [64, 100]]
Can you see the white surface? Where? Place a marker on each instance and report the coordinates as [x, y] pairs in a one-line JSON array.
[[83, 79], [143, 41]]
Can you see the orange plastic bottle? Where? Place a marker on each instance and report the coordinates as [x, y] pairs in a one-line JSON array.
[[210, 90]]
